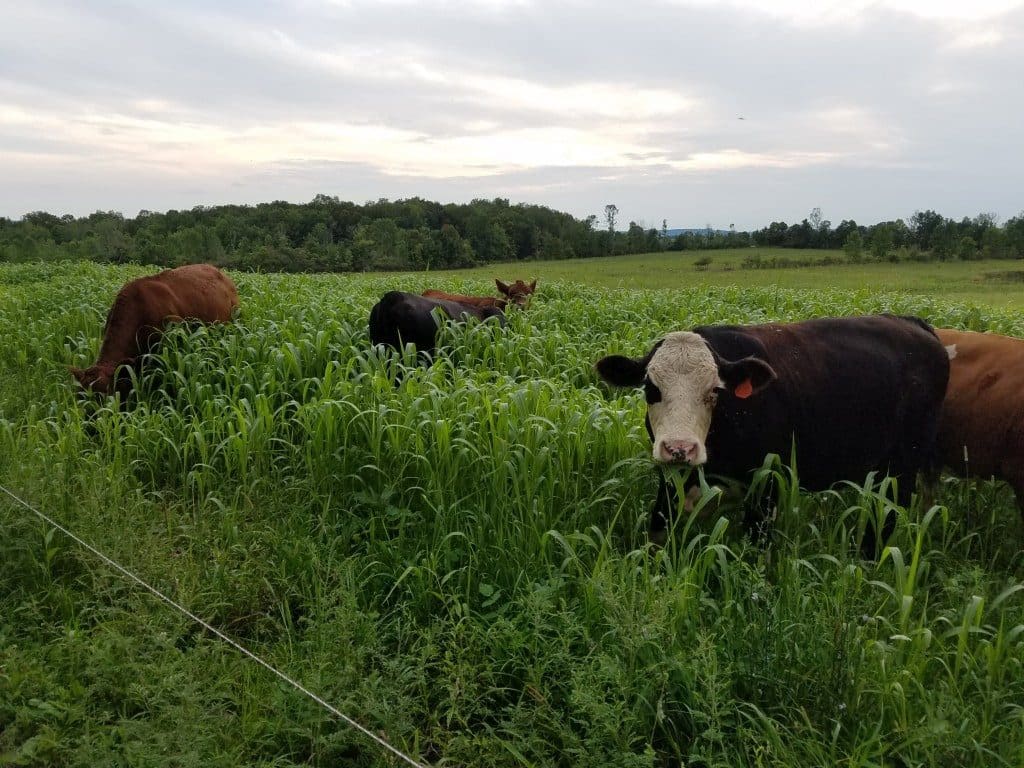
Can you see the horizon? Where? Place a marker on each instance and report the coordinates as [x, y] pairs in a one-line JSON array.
[[672, 230]]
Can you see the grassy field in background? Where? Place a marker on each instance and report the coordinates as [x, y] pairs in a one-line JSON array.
[[983, 282], [460, 562]]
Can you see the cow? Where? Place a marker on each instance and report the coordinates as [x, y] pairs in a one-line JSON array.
[[849, 395], [402, 318], [981, 427], [518, 294], [142, 310]]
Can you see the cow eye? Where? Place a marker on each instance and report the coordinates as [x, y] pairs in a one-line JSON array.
[[651, 392]]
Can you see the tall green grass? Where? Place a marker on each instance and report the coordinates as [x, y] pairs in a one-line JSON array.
[[460, 562]]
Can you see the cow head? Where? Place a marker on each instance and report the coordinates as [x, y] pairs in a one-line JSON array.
[[518, 293], [683, 379], [102, 378]]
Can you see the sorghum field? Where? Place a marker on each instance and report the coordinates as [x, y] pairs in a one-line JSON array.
[[460, 562]]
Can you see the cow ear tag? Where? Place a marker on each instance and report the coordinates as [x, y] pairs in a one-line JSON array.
[[744, 389]]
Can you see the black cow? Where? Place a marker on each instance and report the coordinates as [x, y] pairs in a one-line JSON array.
[[402, 318], [852, 394]]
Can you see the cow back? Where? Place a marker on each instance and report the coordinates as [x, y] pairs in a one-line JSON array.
[[981, 431], [402, 318], [143, 307], [480, 302], [854, 394]]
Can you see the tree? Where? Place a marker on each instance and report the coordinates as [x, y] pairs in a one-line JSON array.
[[610, 212], [841, 233], [994, 243], [943, 239], [966, 248], [986, 220], [422, 248], [453, 250], [815, 218], [635, 240], [881, 240], [378, 244], [923, 225], [109, 241], [854, 245], [1014, 231], [489, 240]]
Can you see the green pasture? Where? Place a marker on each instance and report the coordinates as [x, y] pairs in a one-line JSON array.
[[460, 562], [996, 283]]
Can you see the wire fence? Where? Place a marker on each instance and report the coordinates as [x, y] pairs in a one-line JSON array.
[[210, 628]]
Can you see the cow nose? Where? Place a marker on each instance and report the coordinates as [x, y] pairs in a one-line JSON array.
[[679, 450]]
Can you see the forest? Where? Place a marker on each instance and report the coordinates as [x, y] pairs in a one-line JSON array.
[[332, 235]]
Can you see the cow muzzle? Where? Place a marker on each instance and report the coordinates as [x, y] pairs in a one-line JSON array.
[[683, 451]]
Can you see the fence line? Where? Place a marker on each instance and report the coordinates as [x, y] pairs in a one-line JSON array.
[[245, 651]]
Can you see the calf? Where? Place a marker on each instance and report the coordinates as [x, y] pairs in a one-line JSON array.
[[981, 428], [403, 318], [518, 294], [143, 308], [852, 394]]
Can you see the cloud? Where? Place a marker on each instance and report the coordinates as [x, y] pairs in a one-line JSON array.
[[977, 37], [731, 159], [851, 11], [560, 103]]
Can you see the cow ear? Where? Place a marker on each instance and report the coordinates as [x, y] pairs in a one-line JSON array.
[[533, 286], [746, 377], [78, 373], [503, 287], [621, 371]]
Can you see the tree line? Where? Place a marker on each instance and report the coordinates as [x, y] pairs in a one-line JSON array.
[[927, 235], [328, 234]]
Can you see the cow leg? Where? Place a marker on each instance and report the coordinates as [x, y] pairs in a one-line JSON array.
[[1015, 477], [906, 481], [905, 473], [869, 545], [916, 455]]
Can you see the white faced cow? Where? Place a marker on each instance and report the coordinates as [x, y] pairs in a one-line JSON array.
[[852, 395]]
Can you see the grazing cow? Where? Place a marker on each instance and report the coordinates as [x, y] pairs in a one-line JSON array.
[[402, 318], [852, 394], [981, 427], [141, 311], [518, 294]]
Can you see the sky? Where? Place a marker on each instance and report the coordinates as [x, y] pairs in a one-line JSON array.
[[695, 112]]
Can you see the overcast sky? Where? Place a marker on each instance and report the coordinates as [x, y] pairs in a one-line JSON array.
[[694, 111]]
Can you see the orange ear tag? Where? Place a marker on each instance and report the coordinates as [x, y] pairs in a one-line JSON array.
[[744, 389]]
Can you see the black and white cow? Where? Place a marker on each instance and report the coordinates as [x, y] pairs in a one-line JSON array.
[[407, 318], [852, 395]]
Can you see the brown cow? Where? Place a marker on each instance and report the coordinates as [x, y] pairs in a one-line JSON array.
[[144, 307], [981, 427], [518, 293]]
